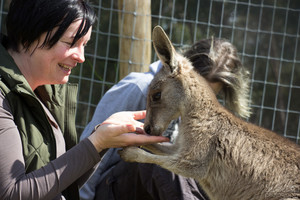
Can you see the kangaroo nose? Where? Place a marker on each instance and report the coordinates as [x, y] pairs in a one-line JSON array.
[[147, 129]]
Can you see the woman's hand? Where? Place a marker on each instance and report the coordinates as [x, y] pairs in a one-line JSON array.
[[121, 129]]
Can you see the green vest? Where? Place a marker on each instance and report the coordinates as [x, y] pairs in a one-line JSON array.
[[39, 145]]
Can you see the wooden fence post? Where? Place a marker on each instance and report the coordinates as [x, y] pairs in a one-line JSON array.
[[135, 36]]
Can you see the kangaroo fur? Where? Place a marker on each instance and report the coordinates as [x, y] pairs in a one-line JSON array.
[[230, 158]]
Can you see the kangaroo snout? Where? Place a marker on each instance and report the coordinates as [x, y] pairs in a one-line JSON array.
[[153, 130], [147, 129]]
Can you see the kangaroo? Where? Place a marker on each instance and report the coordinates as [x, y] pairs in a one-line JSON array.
[[230, 158]]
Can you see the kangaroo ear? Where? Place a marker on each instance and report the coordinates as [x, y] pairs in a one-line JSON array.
[[164, 48]]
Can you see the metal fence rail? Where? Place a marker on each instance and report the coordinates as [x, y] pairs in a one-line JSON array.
[[265, 32]]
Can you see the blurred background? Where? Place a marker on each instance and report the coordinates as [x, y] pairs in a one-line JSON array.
[[265, 32]]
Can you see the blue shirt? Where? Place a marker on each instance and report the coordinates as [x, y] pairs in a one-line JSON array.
[[130, 94]]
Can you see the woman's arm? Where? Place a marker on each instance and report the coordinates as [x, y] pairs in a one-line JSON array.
[[47, 182]]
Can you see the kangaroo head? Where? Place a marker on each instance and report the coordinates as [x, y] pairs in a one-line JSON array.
[[166, 91]]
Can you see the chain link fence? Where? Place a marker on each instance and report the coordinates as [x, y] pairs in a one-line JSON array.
[[265, 32]]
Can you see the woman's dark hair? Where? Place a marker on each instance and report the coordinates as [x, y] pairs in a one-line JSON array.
[[27, 20], [217, 61]]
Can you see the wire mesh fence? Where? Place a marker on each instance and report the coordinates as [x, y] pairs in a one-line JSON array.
[[265, 32]]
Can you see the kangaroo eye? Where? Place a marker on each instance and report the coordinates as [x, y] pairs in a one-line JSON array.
[[156, 96]]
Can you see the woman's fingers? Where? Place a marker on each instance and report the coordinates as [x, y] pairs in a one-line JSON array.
[[126, 117], [113, 135], [107, 135], [140, 130], [139, 114], [122, 139], [138, 139], [120, 130]]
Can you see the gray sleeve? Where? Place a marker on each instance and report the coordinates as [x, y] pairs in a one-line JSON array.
[[47, 182], [125, 96]]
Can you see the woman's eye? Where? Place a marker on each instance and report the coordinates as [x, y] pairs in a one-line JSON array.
[[156, 96], [67, 43]]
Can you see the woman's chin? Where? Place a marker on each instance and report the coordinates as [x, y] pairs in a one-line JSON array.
[[63, 80]]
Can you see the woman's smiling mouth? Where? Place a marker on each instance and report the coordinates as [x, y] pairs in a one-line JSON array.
[[65, 66]]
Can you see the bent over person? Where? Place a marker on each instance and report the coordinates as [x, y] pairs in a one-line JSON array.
[[116, 179]]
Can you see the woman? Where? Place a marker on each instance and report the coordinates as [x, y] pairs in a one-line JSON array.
[[217, 60], [39, 154]]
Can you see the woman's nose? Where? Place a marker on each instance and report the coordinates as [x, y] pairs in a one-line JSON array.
[[78, 54]]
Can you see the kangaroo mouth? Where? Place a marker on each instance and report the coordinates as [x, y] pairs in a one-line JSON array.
[[154, 130], [169, 131], [172, 129]]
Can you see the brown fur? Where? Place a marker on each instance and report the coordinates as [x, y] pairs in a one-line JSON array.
[[230, 158]]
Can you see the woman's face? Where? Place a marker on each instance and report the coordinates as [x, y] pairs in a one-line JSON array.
[[54, 65]]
